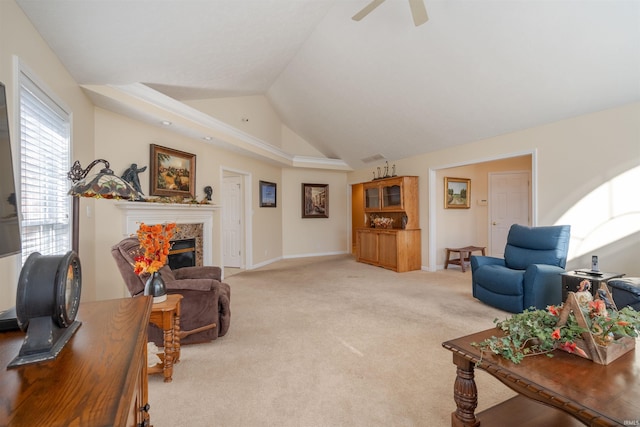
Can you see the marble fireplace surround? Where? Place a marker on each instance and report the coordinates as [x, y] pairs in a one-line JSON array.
[[192, 221]]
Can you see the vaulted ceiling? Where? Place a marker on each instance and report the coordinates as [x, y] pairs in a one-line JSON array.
[[476, 69]]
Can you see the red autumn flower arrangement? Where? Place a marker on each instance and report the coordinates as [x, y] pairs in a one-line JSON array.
[[156, 242]]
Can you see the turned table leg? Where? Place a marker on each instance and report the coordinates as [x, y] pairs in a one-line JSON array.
[[176, 338], [465, 394], [168, 355]]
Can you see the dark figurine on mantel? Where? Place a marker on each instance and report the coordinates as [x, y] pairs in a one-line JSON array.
[[208, 191], [131, 176]]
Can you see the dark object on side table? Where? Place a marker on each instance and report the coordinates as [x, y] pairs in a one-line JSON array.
[[205, 307], [529, 274], [626, 292], [571, 280]]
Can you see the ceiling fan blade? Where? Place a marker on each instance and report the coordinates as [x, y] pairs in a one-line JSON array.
[[367, 10], [419, 12]]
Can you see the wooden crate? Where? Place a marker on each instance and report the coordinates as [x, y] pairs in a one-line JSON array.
[[600, 354]]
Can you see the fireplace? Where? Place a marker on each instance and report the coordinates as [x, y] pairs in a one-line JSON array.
[[193, 222], [182, 254], [186, 249]]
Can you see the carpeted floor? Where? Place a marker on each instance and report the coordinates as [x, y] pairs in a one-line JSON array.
[[328, 341]]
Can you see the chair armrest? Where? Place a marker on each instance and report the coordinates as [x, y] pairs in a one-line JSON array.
[[480, 260], [207, 272], [205, 285], [542, 285]]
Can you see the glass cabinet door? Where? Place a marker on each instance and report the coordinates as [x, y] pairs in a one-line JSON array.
[[392, 196], [372, 198]]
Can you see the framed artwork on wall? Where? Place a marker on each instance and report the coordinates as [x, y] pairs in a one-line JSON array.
[[268, 194], [173, 172], [315, 200], [457, 193]]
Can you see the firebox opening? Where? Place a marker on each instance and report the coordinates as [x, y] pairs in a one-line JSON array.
[[182, 254]]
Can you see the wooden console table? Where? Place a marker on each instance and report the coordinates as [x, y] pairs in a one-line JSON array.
[[98, 379], [166, 316], [573, 391]]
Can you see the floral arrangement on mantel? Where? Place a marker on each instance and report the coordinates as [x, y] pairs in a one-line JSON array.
[[573, 327], [156, 242]]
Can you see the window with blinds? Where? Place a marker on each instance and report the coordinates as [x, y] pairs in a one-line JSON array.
[[45, 161]]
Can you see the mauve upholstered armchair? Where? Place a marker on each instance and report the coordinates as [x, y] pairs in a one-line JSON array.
[[530, 273], [205, 304]]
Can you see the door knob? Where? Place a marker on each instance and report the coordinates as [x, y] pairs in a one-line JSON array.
[[494, 223]]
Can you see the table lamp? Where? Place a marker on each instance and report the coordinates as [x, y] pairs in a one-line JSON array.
[[103, 185]]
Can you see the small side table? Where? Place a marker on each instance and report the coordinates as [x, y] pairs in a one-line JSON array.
[[464, 254], [571, 280], [166, 316]]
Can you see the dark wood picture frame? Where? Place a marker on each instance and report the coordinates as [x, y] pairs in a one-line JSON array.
[[173, 172], [315, 200], [457, 193], [268, 194]]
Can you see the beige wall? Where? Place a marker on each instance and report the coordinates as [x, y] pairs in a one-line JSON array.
[[464, 227], [251, 114], [319, 236], [573, 158], [123, 141], [19, 39]]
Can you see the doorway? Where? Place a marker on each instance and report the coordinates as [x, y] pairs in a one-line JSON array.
[[235, 227], [436, 247]]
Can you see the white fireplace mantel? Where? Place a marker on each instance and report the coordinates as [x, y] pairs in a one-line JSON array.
[[158, 213]]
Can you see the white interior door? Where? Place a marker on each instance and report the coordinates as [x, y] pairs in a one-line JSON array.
[[232, 221], [509, 203]]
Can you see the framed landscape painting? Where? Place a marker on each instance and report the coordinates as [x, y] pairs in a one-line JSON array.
[[268, 193], [457, 193], [315, 200], [173, 172]]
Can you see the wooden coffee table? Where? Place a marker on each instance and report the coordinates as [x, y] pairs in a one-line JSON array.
[[166, 316], [572, 390]]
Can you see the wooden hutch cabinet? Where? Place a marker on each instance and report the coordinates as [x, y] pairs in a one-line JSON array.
[[390, 234]]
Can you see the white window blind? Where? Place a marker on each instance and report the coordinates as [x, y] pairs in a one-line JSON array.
[[44, 154]]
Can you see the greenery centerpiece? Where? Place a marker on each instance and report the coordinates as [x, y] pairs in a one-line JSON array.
[[582, 325]]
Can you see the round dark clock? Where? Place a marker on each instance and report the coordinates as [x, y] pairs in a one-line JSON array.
[[49, 286], [47, 303]]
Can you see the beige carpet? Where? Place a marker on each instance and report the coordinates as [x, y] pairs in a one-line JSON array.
[[328, 341]]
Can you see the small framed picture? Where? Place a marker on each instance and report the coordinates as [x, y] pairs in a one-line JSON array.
[[457, 193], [268, 194], [315, 200], [173, 172]]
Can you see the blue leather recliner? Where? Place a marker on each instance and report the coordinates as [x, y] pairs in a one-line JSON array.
[[529, 274]]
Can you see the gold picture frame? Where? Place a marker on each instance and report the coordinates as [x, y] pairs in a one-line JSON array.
[[173, 172], [457, 193]]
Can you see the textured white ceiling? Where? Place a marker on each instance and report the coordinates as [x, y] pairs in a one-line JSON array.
[[476, 69]]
